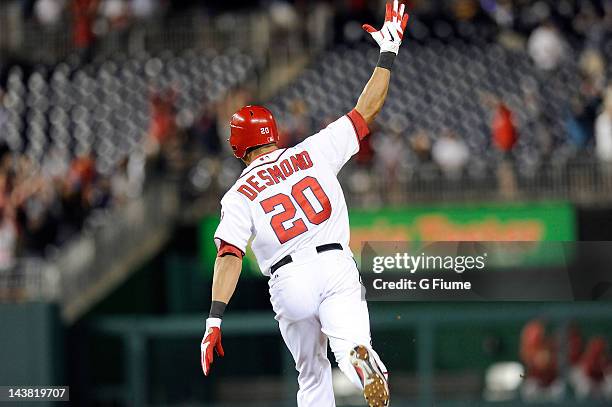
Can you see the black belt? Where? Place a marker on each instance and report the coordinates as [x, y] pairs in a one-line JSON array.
[[287, 259]]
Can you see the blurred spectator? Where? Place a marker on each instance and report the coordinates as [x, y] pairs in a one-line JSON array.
[[579, 124], [83, 16], [38, 221], [421, 146], [593, 67], [49, 12], [115, 23], [100, 194], [143, 12], [574, 344], [451, 154], [582, 114], [297, 127], [603, 131], [127, 182], [535, 119], [3, 111], [502, 12], [82, 170], [144, 9], [55, 163], [205, 131], [27, 8], [74, 210], [390, 155], [8, 235], [116, 13], [589, 24], [593, 377], [537, 353], [504, 129], [465, 10], [283, 15], [547, 47], [163, 118], [319, 25]]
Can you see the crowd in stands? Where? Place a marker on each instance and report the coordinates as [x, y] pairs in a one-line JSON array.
[[550, 57], [586, 369], [46, 202], [91, 20], [78, 141], [558, 108]]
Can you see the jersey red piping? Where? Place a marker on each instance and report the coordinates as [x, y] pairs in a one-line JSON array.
[[228, 248], [226, 242], [359, 124]]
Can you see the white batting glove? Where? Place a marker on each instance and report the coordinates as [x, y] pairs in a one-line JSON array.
[[389, 37]]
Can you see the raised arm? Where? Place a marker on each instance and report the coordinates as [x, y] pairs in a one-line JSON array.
[[389, 38], [374, 94]]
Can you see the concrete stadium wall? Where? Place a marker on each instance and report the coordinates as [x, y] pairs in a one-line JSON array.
[[31, 345]]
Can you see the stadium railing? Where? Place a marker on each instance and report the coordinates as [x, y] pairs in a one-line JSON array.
[[251, 31], [585, 182], [135, 332]]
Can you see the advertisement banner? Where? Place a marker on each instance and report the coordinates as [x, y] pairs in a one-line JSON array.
[[528, 222], [533, 223]]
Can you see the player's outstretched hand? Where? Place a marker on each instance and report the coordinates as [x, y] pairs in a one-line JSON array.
[[210, 342], [389, 37]]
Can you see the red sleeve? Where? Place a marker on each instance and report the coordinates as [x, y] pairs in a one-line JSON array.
[[226, 249], [359, 123]]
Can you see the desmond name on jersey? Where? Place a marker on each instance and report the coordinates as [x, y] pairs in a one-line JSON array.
[[274, 174]]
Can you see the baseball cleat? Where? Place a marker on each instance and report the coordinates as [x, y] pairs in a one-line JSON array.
[[375, 386]]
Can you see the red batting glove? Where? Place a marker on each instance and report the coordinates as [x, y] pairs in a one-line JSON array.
[[390, 36], [211, 340]]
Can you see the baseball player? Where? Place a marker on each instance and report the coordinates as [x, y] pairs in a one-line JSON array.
[[289, 202]]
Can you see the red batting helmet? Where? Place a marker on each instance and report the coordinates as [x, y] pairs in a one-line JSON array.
[[252, 126]]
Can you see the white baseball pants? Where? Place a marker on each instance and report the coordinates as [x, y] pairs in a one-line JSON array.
[[316, 298]]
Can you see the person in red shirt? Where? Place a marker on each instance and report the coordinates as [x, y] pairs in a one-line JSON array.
[[84, 14], [593, 375], [504, 129], [538, 353], [163, 116]]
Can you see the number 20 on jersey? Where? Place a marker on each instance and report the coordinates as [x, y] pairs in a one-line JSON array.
[[288, 213]]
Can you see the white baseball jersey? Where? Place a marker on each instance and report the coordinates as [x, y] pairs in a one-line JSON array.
[[290, 199]]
